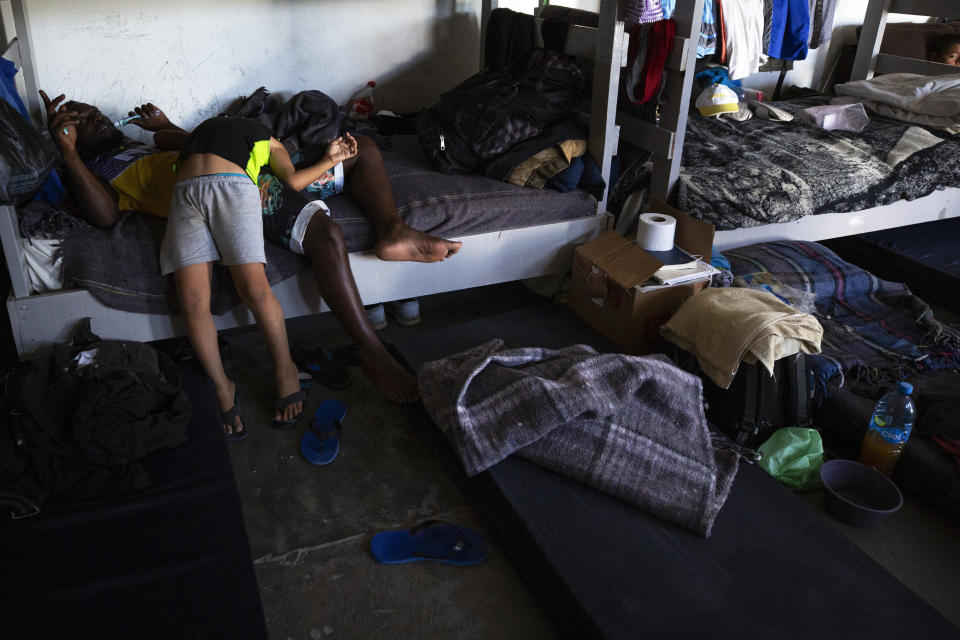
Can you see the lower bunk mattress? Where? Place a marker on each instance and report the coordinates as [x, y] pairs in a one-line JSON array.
[[120, 265], [925, 256], [169, 561], [772, 567]]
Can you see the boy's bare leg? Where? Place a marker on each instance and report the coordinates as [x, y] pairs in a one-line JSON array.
[[323, 243], [369, 186], [193, 292], [254, 289]]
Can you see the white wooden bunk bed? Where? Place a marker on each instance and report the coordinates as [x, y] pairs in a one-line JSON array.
[[666, 140], [40, 320]]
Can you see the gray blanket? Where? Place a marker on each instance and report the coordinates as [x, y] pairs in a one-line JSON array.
[[630, 426]]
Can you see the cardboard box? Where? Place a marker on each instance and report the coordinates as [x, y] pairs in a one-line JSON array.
[[606, 270]]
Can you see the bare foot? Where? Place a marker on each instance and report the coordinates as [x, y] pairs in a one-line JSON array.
[[225, 399], [406, 243], [287, 383], [388, 375]]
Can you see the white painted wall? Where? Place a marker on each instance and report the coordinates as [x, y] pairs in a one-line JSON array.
[[193, 57]]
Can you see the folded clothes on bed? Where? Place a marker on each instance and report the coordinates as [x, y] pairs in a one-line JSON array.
[[629, 426], [723, 327], [927, 100]]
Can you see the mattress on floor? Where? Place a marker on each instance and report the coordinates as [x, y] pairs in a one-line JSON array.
[[120, 265], [924, 256], [773, 567], [171, 561]]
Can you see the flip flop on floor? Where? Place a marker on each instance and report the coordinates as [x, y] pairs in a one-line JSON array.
[[320, 364], [321, 442], [229, 416], [433, 540], [293, 398]]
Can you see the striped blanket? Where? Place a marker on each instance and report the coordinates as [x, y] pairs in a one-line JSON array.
[[873, 330], [629, 426]]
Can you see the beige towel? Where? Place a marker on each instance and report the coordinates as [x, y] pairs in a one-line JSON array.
[[726, 326]]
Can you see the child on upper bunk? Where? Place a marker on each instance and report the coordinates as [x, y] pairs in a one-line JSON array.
[[215, 216], [945, 50]]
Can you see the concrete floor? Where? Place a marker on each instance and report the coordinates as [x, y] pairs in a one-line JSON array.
[[310, 527]]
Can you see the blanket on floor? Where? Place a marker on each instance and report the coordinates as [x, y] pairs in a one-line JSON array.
[[745, 174], [873, 330], [629, 426]]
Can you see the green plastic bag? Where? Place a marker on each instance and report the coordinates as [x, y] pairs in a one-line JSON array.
[[793, 455]]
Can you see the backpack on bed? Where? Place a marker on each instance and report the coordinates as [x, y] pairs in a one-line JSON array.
[[757, 404], [482, 117]]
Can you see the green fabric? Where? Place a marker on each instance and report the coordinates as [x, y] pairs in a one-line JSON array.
[[259, 157], [793, 455]]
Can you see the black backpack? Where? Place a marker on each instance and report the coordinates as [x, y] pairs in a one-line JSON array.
[[757, 404], [485, 115]]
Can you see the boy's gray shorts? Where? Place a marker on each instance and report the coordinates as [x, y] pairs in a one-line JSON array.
[[213, 218]]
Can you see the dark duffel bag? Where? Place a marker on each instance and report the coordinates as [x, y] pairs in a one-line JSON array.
[[485, 115], [757, 404]]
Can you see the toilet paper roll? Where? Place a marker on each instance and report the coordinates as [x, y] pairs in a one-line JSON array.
[[655, 231]]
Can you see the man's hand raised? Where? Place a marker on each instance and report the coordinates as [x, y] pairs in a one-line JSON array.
[[61, 123], [151, 118]]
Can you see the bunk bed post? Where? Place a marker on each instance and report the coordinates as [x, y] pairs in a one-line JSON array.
[[610, 57], [688, 15], [12, 252], [874, 22], [485, 8], [21, 22]]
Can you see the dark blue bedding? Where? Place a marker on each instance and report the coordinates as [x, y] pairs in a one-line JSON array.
[[924, 256], [773, 567], [170, 561]]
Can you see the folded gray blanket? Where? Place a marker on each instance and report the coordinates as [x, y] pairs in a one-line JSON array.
[[630, 426]]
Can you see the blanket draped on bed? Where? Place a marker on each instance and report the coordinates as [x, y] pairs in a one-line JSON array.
[[745, 174], [629, 426], [873, 330]]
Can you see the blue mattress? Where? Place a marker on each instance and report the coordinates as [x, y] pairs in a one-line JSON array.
[[926, 257]]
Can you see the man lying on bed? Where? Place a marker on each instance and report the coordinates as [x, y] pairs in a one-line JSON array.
[[107, 174]]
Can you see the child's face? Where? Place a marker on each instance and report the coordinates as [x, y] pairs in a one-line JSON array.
[[950, 56]]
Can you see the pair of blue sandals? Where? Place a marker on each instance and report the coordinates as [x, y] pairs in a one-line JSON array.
[[321, 442]]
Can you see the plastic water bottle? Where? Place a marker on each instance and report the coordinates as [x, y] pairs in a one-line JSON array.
[[361, 103], [890, 426]]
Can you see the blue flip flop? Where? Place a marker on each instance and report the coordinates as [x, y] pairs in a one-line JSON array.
[[321, 442], [434, 540]]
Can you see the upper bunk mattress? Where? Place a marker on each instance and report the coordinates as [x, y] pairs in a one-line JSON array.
[[746, 174]]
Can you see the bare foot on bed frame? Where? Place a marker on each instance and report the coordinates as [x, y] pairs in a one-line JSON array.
[[408, 244], [388, 375]]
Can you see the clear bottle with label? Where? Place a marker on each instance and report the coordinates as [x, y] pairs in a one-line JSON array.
[[360, 104], [890, 427]]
